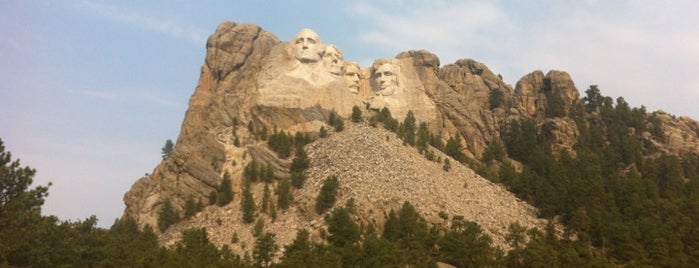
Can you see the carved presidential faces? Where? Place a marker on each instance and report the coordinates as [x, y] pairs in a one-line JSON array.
[[307, 46], [333, 59], [385, 78], [351, 75]]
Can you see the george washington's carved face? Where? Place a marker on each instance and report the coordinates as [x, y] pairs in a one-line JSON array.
[[307, 46], [332, 58]]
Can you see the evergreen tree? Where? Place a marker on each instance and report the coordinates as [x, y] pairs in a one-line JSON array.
[[167, 149], [467, 246], [191, 207], [407, 129], [343, 230], [423, 137], [251, 171], [195, 249], [356, 114], [300, 161], [265, 199], [298, 179], [326, 197], [167, 215], [265, 249], [225, 191], [20, 208], [496, 98], [453, 148], [284, 196], [247, 203], [322, 132]]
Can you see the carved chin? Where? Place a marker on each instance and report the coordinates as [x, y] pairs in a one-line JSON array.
[[307, 57]]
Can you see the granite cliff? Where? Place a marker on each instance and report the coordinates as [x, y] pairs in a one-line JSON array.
[[251, 78]]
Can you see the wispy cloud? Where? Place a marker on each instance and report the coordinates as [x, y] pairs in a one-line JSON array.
[[161, 25], [134, 95]]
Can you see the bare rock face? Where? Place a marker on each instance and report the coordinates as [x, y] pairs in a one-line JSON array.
[[252, 83]]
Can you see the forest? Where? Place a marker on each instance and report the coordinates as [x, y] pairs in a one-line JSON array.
[[621, 201]]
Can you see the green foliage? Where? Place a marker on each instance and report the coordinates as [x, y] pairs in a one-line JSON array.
[[389, 123], [195, 249], [496, 98], [20, 207], [494, 151], [281, 143], [247, 204], [264, 205], [593, 98], [167, 215], [265, 249], [326, 197], [284, 196], [322, 132], [225, 191], [167, 149], [301, 161], [356, 114], [423, 137], [336, 121], [447, 165], [259, 227], [554, 104], [467, 246], [298, 179], [453, 148], [251, 172], [341, 228], [191, 207], [407, 129]]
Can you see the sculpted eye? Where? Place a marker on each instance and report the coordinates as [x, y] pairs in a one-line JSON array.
[[311, 41], [299, 41]]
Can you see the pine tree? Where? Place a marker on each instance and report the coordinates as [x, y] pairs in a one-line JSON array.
[[356, 114], [167, 149], [225, 191], [284, 196], [167, 215], [326, 197], [300, 161], [298, 179], [265, 249], [265, 199], [20, 209], [423, 137], [343, 230], [247, 203]]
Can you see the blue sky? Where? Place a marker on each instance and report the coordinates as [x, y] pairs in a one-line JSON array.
[[90, 90]]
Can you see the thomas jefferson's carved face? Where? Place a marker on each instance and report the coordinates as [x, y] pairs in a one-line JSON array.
[[351, 76], [385, 76], [307, 45], [332, 58]]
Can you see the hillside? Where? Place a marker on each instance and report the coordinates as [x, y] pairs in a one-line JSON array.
[[379, 172]]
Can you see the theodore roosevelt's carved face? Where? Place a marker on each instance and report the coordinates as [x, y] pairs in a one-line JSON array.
[[332, 58], [351, 76], [385, 77], [307, 46]]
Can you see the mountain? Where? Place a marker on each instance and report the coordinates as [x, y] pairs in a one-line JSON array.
[[253, 85]]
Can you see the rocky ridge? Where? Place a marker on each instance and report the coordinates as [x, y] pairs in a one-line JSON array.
[[251, 78]]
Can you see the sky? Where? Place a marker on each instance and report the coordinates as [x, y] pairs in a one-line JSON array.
[[91, 90]]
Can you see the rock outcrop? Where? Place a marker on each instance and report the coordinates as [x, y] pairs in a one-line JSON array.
[[253, 83]]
